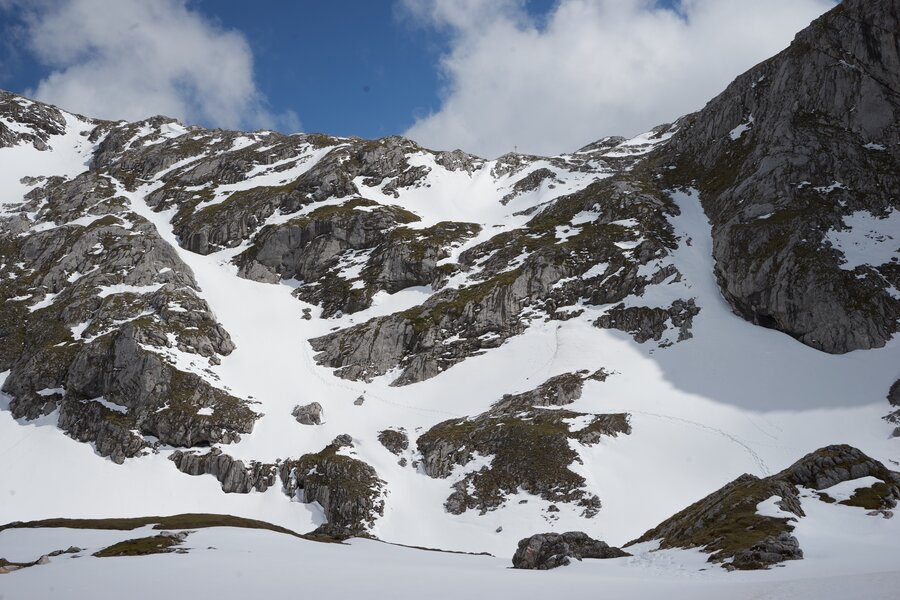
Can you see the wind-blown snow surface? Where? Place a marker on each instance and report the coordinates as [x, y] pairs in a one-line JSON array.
[[735, 398], [240, 563]]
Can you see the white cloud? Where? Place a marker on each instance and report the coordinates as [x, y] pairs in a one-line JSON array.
[[593, 68], [130, 59]]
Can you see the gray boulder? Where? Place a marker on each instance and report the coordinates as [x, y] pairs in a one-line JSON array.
[[550, 550], [308, 414]]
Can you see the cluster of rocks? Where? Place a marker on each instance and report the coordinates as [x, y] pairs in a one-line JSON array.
[[348, 490], [8, 567], [308, 414], [644, 323], [528, 447], [499, 301]]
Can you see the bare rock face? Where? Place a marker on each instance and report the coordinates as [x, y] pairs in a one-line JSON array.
[[894, 394], [644, 323], [781, 158], [111, 430], [894, 417], [308, 414], [234, 476], [326, 247], [43, 121], [545, 551], [835, 464]]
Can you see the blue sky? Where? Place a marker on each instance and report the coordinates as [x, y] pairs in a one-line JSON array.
[[348, 67], [484, 75]]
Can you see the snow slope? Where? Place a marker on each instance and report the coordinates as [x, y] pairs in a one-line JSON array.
[[735, 398], [237, 563]]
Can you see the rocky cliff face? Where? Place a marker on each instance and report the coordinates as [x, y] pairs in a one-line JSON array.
[[96, 305], [788, 159]]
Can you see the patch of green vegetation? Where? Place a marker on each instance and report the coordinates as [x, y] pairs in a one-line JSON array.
[[336, 294], [13, 316], [106, 221], [876, 497], [157, 544], [82, 409], [6, 563], [444, 272], [187, 145], [319, 140], [181, 521], [242, 202], [172, 192], [314, 469], [618, 198], [725, 522], [814, 120], [394, 440], [326, 213], [728, 168]]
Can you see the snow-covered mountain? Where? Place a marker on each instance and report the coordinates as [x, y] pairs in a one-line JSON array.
[[368, 338]]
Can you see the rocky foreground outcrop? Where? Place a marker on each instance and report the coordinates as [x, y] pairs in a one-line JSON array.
[[728, 526], [545, 551]]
